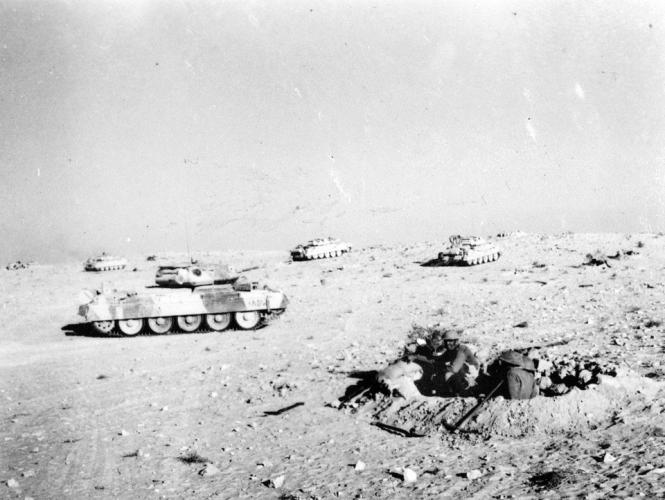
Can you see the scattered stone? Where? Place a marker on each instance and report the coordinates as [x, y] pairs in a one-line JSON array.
[[209, 470], [473, 474], [360, 466], [213, 394], [275, 482], [596, 259], [409, 475], [15, 266]]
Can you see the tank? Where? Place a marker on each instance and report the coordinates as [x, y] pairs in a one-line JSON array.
[[191, 275], [320, 248], [468, 251], [163, 310], [105, 263]]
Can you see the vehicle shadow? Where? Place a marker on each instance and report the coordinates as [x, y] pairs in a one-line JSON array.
[[81, 331], [440, 263]]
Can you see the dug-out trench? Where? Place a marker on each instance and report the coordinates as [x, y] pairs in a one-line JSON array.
[[577, 393]]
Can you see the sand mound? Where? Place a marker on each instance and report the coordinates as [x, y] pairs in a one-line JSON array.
[[613, 398]]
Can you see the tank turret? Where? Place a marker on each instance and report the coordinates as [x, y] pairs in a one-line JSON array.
[[192, 275]]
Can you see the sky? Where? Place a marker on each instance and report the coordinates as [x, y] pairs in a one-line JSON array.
[[148, 126]]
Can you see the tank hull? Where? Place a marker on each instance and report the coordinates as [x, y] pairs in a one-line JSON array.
[[320, 249], [468, 252], [105, 264], [203, 302]]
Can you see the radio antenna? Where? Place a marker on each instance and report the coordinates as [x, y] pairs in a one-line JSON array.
[[189, 254], [186, 212]]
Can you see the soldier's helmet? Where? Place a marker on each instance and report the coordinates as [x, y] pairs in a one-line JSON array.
[[436, 340], [441, 340], [514, 358], [452, 334]]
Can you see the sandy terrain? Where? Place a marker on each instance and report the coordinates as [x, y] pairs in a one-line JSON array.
[[87, 417]]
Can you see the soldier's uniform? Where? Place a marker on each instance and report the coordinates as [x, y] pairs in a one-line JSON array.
[[519, 376], [457, 367]]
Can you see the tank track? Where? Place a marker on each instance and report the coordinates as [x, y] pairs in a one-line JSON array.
[[107, 268], [492, 257], [265, 319], [322, 255]]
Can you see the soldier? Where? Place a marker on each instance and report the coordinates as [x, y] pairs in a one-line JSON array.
[[518, 373], [455, 365]]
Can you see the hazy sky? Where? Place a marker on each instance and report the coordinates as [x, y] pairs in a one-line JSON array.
[[130, 126]]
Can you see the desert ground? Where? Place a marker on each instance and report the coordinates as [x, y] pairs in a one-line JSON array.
[[193, 415]]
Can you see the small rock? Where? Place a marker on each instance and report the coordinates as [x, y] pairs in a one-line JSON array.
[[409, 475], [213, 394], [609, 458], [360, 466], [473, 474], [209, 470], [585, 376], [12, 483], [28, 473], [545, 383], [123, 432], [275, 482]]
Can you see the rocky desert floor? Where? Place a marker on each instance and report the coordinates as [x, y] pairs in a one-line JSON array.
[[194, 415]]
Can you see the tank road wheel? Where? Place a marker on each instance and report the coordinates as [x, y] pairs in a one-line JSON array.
[[160, 325], [103, 327], [218, 322], [130, 327], [189, 324], [247, 320]]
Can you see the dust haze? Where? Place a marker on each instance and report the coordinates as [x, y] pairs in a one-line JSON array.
[[131, 126]]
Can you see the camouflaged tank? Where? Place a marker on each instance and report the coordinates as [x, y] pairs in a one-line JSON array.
[[105, 263], [191, 275], [320, 248], [468, 251], [162, 310]]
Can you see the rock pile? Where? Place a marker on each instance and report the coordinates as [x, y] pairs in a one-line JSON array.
[[596, 258], [15, 266], [559, 376]]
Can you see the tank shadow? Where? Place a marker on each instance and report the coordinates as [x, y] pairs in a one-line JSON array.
[[440, 263], [81, 331]]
